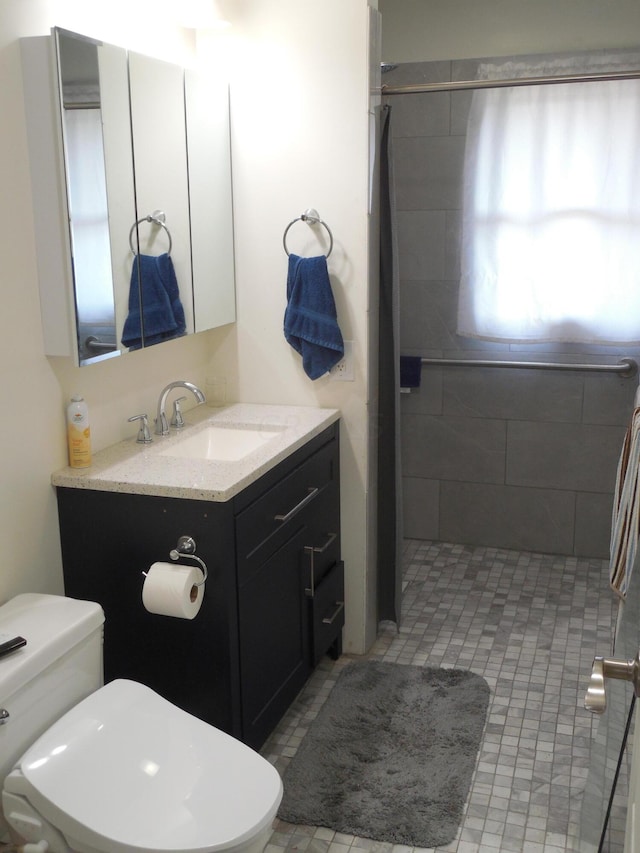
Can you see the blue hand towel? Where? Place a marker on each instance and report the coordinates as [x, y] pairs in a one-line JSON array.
[[154, 289], [410, 371], [310, 319]]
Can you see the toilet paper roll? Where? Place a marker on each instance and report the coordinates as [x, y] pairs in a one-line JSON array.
[[171, 590]]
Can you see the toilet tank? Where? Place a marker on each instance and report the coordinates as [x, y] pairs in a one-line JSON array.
[[60, 665]]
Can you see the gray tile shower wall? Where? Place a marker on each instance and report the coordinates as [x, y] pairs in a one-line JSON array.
[[506, 458]]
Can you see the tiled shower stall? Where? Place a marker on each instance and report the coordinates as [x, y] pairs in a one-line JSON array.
[[510, 458]]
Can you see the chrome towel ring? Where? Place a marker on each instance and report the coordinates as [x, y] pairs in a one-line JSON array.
[[158, 218], [313, 218]]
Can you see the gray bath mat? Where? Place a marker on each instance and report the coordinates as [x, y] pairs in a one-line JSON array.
[[390, 755]]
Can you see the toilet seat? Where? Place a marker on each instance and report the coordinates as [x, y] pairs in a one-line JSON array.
[[126, 771]]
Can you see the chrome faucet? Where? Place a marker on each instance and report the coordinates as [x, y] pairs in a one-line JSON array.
[[162, 427]]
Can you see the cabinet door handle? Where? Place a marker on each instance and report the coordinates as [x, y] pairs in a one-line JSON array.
[[329, 619], [310, 591], [320, 549], [296, 509]]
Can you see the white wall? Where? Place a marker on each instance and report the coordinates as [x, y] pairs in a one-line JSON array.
[[417, 30], [300, 101]]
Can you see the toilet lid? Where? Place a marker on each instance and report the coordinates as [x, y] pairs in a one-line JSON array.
[[126, 770]]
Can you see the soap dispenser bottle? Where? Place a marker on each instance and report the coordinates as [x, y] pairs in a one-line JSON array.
[[78, 433]]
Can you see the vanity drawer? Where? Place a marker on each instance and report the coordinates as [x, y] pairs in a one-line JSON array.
[[327, 606], [290, 503]]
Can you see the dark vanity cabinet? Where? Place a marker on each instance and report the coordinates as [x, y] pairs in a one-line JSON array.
[[273, 602], [280, 521]]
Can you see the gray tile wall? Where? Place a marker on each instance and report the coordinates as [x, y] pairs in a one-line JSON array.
[[520, 459]]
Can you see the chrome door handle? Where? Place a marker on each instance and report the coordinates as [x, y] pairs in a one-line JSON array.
[[4, 716], [595, 699]]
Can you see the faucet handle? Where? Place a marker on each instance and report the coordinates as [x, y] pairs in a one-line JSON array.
[[144, 435], [177, 421]]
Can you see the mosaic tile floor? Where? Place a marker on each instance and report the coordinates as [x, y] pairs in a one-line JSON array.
[[530, 624]]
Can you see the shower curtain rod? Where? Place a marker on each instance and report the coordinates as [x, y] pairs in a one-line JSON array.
[[627, 368], [455, 85]]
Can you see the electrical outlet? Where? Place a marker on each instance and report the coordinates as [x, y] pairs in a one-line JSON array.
[[343, 370]]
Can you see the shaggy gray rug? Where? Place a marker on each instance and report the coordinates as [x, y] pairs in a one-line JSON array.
[[390, 755]]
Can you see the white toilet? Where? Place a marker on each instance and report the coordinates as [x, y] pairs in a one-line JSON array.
[[115, 768]]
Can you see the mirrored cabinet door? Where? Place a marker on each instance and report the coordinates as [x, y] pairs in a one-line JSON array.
[[162, 262], [84, 162], [120, 181], [209, 152]]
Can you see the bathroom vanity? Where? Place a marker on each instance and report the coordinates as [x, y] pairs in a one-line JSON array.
[[267, 526]]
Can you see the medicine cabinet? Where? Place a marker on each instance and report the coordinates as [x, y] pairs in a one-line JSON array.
[[131, 183]]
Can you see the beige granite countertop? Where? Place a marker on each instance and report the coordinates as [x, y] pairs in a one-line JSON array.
[[145, 470]]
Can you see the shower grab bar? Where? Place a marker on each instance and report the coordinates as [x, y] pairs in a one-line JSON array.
[[626, 368], [96, 345]]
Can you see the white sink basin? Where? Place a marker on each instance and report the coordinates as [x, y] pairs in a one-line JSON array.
[[227, 443]]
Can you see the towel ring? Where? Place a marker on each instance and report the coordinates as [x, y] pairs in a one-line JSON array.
[[157, 217], [312, 217]]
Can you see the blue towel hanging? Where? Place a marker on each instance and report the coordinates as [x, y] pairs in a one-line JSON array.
[[154, 291], [310, 319]]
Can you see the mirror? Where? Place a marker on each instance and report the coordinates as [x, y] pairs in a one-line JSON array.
[[209, 153], [161, 292], [131, 182], [86, 174]]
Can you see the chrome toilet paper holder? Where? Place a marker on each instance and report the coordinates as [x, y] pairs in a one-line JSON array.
[[186, 548]]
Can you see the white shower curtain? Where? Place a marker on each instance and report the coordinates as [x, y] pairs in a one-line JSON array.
[[551, 213]]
